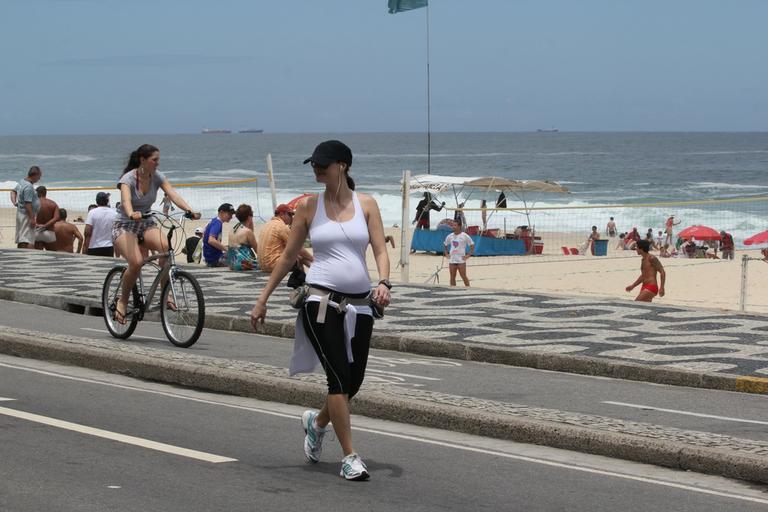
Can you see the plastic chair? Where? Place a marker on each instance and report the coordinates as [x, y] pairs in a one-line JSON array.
[[565, 251]]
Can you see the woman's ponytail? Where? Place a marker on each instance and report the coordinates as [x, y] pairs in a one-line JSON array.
[[350, 181], [143, 151], [133, 162]]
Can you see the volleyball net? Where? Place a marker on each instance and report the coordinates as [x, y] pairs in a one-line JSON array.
[[521, 234]]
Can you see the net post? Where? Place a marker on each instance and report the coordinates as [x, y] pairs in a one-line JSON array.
[[271, 179], [743, 294], [404, 229]]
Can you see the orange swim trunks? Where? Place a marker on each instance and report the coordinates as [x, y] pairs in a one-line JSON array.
[[651, 288]]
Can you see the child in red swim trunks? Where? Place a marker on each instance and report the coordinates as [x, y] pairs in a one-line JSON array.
[[649, 266]]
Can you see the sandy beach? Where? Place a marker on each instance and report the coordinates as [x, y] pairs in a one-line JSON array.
[[700, 283]]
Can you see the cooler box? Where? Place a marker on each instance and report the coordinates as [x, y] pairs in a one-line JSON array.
[[600, 247]]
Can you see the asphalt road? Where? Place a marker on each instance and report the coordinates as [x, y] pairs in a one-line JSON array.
[[722, 412], [61, 428]]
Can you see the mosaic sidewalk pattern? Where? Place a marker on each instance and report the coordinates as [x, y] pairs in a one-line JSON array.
[[698, 340]]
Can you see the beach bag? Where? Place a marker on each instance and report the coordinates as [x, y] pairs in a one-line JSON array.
[[300, 292], [241, 258]]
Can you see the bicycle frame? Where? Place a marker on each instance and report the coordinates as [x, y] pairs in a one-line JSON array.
[[163, 272]]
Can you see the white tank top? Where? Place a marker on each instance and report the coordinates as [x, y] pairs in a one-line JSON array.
[[339, 250]]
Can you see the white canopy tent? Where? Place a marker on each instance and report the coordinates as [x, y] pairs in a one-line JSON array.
[[518, 188]]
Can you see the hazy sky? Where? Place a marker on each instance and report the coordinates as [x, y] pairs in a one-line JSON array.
[[174, 66]]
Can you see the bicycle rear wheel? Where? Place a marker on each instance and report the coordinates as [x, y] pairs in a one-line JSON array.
[[110, 293], [182, 322]]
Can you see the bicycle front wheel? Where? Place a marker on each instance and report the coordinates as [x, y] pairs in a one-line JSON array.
[[113, 286], [182, 309]]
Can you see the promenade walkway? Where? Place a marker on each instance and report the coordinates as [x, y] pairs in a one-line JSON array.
[[512, 327]]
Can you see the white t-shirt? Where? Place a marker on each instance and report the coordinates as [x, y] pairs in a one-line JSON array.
[[457, 246], [101, 219]]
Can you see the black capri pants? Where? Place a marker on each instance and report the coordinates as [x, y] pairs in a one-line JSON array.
[[328, 341]]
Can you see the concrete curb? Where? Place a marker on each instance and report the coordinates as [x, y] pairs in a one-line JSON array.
[[476, 352], [168, 367]]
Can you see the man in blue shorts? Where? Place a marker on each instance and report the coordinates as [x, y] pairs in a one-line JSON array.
[[214, 251]]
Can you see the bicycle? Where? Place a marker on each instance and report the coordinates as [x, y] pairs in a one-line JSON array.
[[182, 305]]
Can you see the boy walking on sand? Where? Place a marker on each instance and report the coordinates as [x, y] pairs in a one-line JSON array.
[[455, 249], [649, 266]]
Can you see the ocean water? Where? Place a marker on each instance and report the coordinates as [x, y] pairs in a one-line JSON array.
[[597, 168]]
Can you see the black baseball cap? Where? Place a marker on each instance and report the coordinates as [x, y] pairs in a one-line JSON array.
[[329, 152], [226, 207]]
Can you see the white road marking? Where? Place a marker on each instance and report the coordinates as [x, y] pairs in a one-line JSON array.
[[372, 370], [134, 337], [3, 399], [687, 413], [456, 445], [114, 436], [394, 361]]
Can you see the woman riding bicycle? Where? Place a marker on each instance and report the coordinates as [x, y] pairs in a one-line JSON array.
[[133, 235]]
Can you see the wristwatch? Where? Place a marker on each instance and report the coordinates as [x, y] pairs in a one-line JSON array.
[[386, 283]]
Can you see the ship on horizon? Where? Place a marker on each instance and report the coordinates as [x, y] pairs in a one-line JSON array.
[[208, 131], [551, 130], [250, 130]]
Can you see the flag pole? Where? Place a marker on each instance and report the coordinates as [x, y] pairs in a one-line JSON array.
[[429, 106]]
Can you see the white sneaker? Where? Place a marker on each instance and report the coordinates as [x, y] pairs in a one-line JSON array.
[[313, 440], [353, 468]]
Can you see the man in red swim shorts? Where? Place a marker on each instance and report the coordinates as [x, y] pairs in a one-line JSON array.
[[649, 266]]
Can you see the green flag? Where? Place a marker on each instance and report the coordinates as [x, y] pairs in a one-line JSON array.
[[396, 6]]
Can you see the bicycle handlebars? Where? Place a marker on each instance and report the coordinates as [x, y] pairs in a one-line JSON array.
[[188, 214]]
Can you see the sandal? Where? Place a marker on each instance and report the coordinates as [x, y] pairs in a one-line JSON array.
[[171, 305], [119, 316]]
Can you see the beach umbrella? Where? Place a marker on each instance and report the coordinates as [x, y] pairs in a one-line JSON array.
[[760, 238], [699, 233], [293, 203]]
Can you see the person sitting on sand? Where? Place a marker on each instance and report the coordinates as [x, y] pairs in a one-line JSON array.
[[710, 253], [631, 238], [689, 249], [66, 234], [649, 267], [620, 243], [764, 253], [241, 253], [665, 251]]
